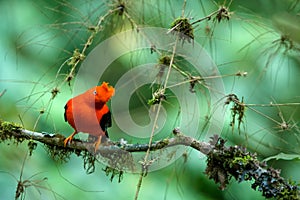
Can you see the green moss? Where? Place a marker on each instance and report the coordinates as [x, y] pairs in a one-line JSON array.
[[58, 153], [88, 162], [184, 28], [76, 57], [288, 193], [11, 131], [157, 97], [164, 60], [244, 160], [31, 146], [113, 173], [224, 163]]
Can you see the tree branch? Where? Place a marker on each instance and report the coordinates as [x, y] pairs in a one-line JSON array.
[[11, 130], [223, 163]]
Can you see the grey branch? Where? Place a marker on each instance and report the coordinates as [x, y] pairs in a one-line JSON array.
[[9, 130]]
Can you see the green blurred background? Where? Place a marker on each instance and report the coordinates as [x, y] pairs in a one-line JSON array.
[[37, 37]]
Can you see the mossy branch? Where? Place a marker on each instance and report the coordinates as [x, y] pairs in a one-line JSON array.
[[18, 134], [223, 162]]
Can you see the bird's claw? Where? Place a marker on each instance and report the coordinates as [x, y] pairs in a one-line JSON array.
[[97, 143], [67, 140]]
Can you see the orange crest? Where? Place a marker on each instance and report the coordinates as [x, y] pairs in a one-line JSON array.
[[103, 92]]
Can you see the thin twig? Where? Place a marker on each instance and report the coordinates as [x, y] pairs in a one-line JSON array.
[[272, 104], [2, 93]]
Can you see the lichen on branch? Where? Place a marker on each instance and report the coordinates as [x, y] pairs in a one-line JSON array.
[[223, 163]]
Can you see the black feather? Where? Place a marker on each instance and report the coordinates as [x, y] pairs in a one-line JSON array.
[[65, 114], [105, 122]]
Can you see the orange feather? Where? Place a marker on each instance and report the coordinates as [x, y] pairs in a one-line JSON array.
[[89, 113]]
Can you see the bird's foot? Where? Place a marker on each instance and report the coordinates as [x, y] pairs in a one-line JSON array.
[[97, 143], [67, 140]]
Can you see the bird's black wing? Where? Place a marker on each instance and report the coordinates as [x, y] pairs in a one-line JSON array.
[[105, 122], [65, 114]]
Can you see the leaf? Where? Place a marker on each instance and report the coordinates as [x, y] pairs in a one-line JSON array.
[[283, 156]]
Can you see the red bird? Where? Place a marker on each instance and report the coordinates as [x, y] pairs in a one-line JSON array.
[[89, 113]]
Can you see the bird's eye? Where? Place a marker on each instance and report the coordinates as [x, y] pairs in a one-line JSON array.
[[95, 92]]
